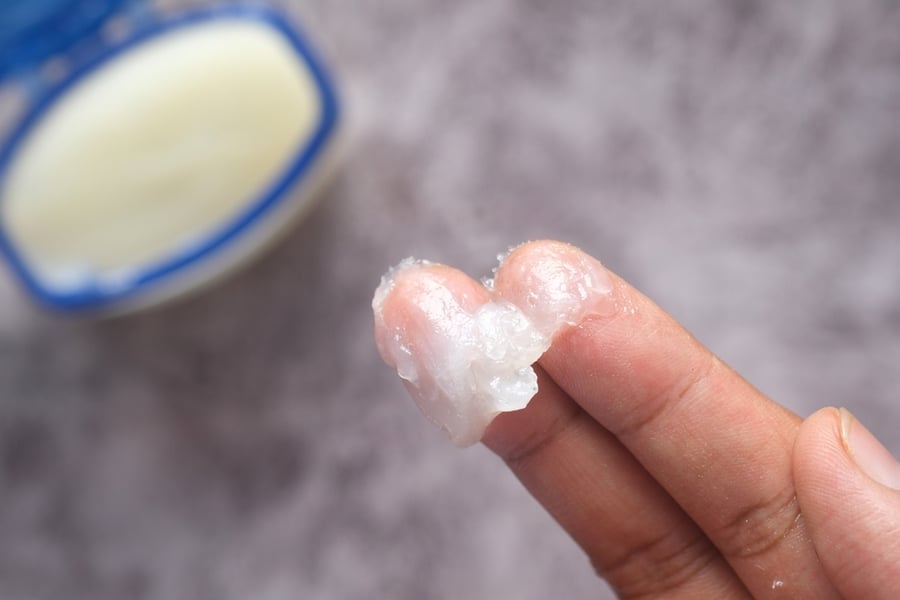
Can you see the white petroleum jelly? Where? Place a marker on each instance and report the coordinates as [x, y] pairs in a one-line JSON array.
[[160, 147], [464, 365]]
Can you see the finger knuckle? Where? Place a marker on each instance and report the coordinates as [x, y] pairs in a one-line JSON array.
[[658, 566], [760, 527]]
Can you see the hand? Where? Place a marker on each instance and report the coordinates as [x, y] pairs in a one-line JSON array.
[[676, 476]]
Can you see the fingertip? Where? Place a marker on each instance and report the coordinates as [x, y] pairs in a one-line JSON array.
[[818, 452], [414, 296], [833, 448], [412, 282], [849, 514], [555, 284]]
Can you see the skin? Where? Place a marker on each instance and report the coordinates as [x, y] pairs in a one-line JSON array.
[[678, 478]]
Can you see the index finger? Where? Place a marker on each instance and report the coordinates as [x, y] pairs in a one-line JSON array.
[[718, 446]]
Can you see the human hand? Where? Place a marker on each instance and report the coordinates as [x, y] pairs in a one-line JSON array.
[[676, 476]]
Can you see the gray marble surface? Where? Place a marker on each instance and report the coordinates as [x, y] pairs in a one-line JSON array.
[[737, 160]]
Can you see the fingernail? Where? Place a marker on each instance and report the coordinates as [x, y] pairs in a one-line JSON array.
[[868, 453]]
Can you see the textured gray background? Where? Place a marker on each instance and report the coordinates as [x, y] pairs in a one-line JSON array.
[[737, 160]]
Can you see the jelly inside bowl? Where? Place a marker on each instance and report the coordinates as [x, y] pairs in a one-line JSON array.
[[165, 161]]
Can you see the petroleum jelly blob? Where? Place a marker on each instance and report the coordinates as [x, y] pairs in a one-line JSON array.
[[464, 360]]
